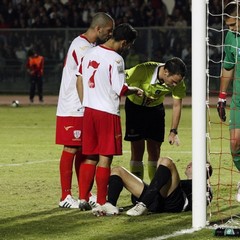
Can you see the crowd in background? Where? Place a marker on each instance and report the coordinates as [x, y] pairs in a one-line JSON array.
[[45, 14], [77, 14], [25, 24]]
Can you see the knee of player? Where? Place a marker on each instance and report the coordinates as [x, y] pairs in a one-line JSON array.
[[166, 161], [116, 170]]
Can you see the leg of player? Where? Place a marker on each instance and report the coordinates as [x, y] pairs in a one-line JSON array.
[[136, 163], [166, 180], [235, 151], [121, 177], [235, 146], [153, 149], [79, 159], [102, 178], [66, 165], [86, 179]]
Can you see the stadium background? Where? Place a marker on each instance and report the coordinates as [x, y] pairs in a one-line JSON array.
[[164, 28], [51, 25], [160, 36]]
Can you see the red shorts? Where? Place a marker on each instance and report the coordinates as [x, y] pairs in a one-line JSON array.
[[69, 131], [102, 133]]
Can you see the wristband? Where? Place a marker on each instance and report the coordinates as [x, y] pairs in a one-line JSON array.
[[174, 130], [222, 95]]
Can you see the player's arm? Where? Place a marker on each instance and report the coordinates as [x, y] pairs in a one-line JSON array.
[[80, 87], [176, 115], [225, 80], [79, 83], [127, 90]]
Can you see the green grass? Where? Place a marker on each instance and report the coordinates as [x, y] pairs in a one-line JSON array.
[[30, 188]]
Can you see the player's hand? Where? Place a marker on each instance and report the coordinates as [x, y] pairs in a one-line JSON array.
[[140, 92], [173, 139], [135, 90], [221, 105]]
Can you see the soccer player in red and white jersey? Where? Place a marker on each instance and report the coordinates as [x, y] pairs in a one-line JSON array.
[[69, 108], [103, 82]]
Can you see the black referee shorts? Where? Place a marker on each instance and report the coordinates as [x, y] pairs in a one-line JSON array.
[[144, 122]]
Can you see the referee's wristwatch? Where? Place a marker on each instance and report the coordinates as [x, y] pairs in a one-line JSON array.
[[174, 130]]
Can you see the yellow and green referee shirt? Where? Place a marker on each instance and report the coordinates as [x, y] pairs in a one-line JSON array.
[[144, 76]]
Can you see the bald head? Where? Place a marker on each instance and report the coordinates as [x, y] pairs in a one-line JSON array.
[[100, 29], [101, 19]]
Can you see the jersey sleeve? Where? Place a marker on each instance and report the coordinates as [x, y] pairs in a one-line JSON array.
[[118, 76], [79, 68], [229, 50]]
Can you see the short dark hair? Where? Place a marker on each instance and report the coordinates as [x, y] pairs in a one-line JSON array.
[[232, 9], [176, 65], [124, 31]]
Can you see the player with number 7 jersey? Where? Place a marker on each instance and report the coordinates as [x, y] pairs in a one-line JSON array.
[[103, 83]]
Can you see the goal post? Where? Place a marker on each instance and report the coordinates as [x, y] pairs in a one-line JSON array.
[[199, 152]]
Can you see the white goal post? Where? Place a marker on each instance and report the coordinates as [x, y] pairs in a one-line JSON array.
[[199, 114]]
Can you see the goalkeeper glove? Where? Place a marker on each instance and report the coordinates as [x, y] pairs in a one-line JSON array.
[[221, 105]]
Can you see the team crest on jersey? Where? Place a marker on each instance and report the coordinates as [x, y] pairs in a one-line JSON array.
[[77, 133]]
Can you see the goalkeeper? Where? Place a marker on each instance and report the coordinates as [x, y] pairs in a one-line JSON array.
[[166, 192], [145, 117], [230, 70]]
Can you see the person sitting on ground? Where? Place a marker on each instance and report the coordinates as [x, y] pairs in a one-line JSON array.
[[166, 192]]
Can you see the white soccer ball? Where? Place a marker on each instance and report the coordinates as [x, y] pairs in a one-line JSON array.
[[15, 103]]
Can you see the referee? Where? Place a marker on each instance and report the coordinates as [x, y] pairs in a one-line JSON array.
[[145, 117]]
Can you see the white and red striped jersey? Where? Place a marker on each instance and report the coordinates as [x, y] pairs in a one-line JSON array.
[[102, 70], [68, 101]]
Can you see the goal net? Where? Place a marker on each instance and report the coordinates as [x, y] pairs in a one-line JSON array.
[[224, 209]]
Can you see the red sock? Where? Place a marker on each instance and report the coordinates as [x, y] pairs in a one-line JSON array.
[[79, 158], [87, 173], [102, 178], [66, 165]]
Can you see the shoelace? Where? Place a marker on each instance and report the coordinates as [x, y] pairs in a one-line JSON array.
[[139, 207], [72, 201]]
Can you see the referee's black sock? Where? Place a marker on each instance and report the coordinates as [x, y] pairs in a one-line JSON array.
[[115, 187], [161, 177]]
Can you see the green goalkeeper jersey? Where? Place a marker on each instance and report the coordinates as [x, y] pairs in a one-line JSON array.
[[144, 76], [232, 59]]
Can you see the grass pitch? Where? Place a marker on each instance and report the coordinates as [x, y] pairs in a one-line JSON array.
[[30, 185]]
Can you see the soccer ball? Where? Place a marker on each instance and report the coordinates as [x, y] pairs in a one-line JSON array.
[[15, 103]]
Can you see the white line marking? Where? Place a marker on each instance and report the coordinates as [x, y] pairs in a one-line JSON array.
[[175, 234], [49, 161], [26, 163]]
